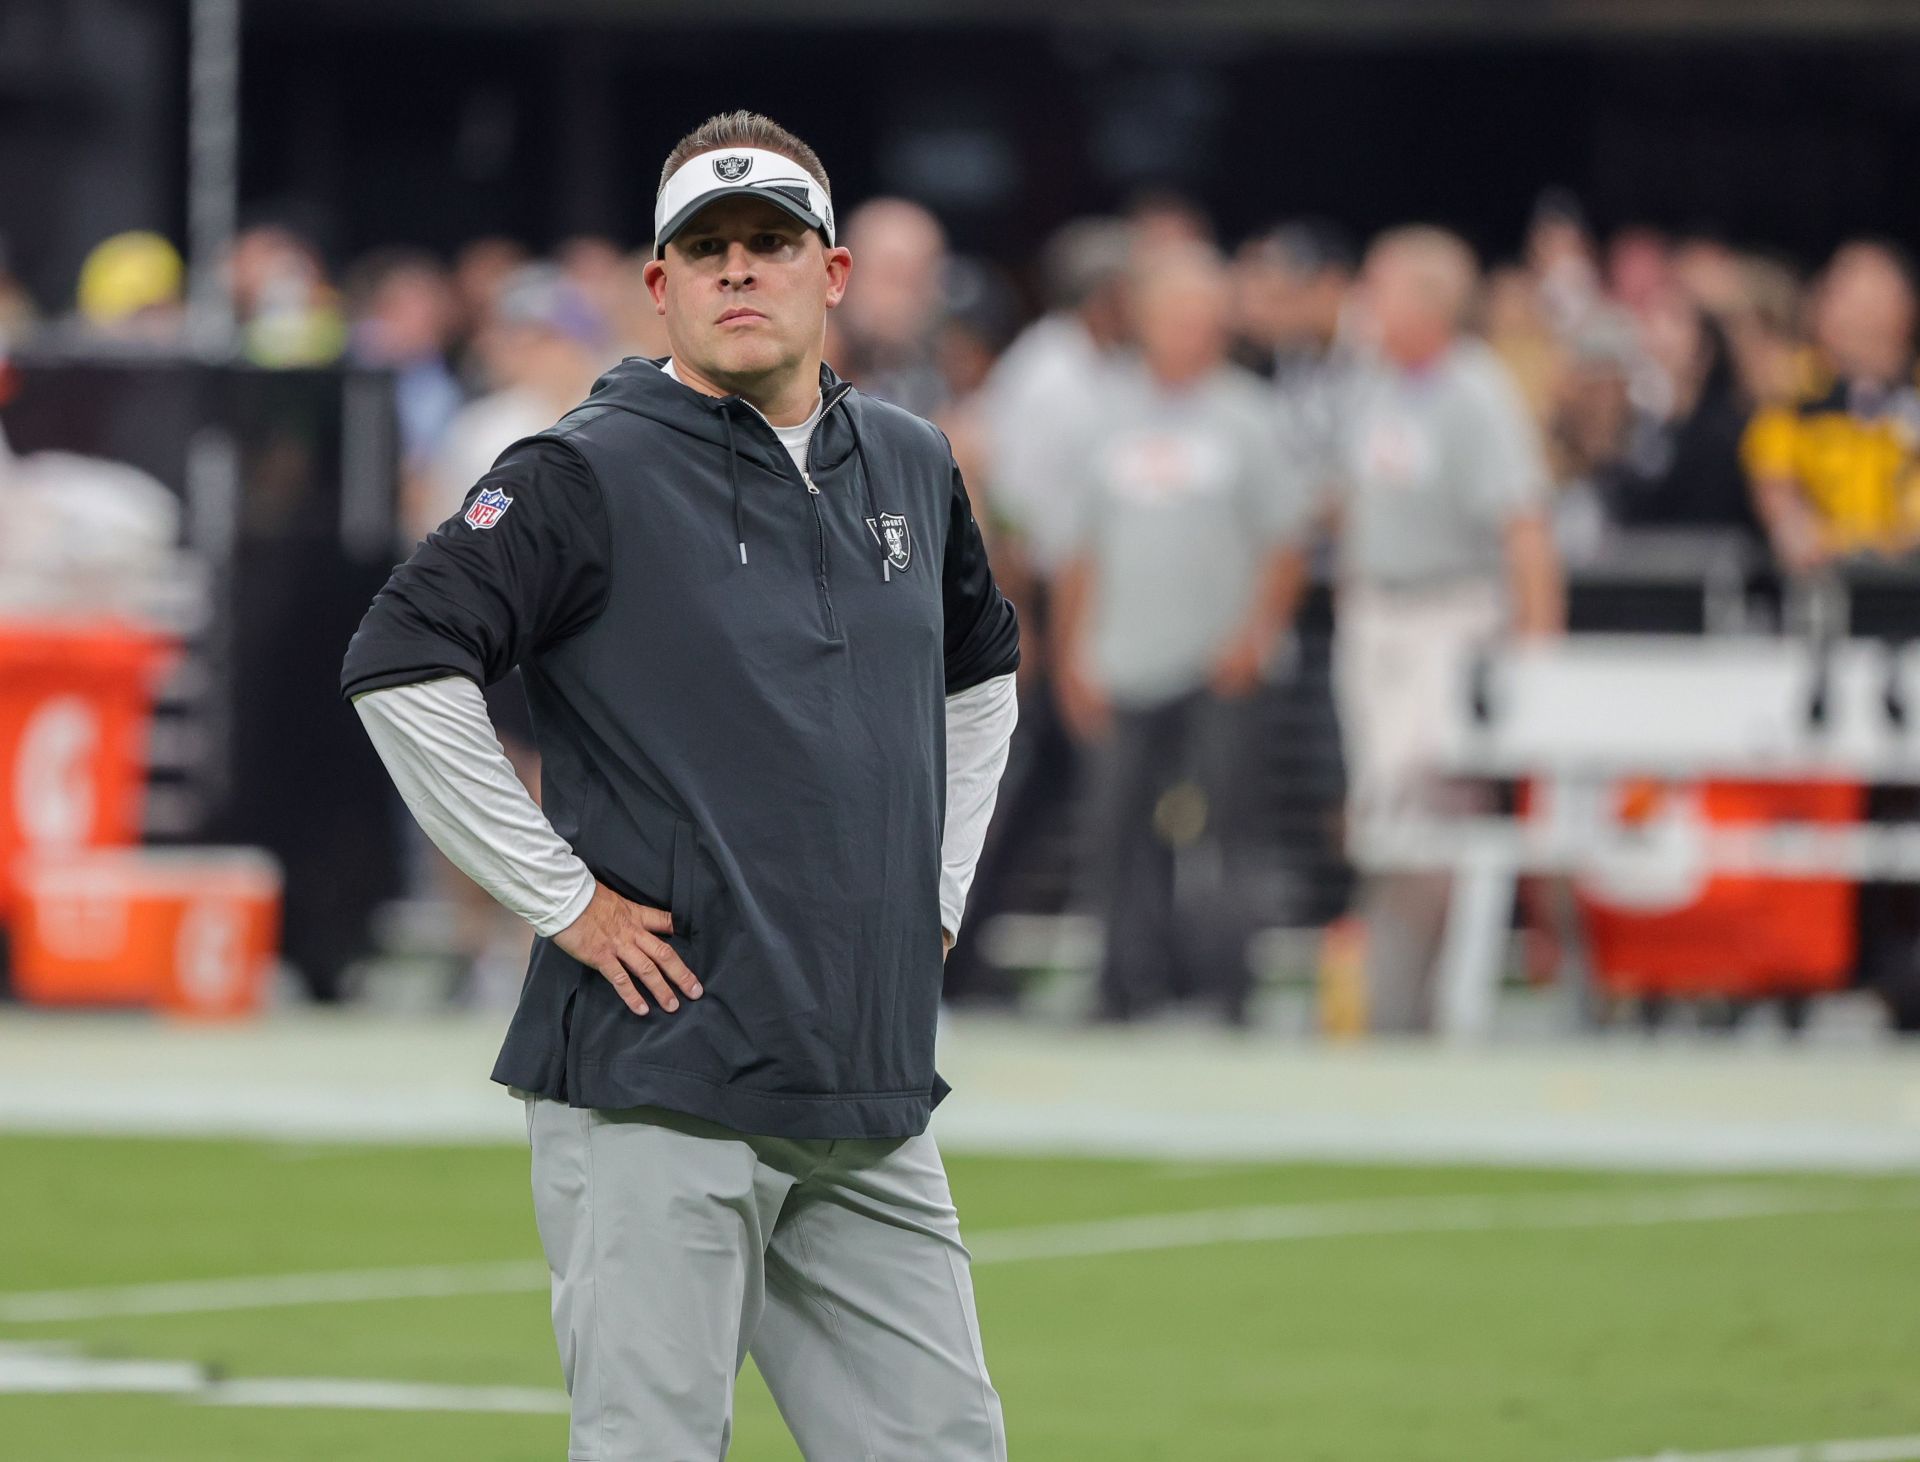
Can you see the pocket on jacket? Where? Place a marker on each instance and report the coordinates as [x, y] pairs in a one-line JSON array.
[[680, 898]]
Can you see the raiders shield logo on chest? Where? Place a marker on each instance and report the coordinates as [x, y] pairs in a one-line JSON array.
[[891, 531]]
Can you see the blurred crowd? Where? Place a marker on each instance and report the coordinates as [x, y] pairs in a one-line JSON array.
[[1165, 439], [1674, 381]]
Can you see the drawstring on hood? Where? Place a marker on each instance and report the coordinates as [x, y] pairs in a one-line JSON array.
[[725, 407], [621, 388]]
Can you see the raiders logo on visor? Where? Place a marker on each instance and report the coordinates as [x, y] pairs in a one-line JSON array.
[[742, 170]]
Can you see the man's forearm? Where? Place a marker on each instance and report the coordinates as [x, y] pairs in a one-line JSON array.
[[1793, 528], [1072, 591], [1283, 579], [980, 722], [1533, 566], [439, 746]]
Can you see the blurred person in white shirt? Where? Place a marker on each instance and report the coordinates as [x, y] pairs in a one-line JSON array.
[[1051, 373], [1444, 545]]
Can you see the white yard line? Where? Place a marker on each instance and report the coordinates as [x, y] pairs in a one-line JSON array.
[[54, 1369], [1146, 1233], [61, 1370], [1280, 1222], [270, 1291], [1866, 1449]]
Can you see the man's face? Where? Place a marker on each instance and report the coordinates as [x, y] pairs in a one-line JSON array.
[[745, 288], [1864, 318], [1279, 304], [1409, 324], [1181, 319], [902, 252]]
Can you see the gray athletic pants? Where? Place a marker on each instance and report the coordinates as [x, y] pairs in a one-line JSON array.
[[677, 1246]]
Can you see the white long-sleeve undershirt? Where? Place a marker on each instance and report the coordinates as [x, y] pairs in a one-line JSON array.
[[439, 746], [980, 723], [442, 752]]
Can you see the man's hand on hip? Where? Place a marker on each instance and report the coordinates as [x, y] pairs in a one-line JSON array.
[[621, 939]]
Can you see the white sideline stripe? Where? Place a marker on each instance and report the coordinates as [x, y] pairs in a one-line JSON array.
[[1869, 1449], [1141, 1234], [383, 1396]]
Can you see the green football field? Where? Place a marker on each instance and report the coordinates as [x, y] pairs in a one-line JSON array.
[[1133, 1311]]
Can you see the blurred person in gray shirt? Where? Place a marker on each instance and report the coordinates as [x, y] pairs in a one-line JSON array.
[[1183, 568], [1443, 546]]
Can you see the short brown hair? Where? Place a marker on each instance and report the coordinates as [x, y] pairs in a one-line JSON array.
[[742, 129]]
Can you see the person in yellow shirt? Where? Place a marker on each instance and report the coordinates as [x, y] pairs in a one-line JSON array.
[[1836, 472]]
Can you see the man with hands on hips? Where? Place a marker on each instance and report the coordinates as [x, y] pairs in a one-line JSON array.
[[771, 678]]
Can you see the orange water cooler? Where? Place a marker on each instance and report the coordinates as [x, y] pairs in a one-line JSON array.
[[1699, 933], [91, 917], [76, 705], [191, 931]]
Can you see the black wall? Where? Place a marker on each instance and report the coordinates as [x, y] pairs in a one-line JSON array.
[[366, 133], [432, 137]]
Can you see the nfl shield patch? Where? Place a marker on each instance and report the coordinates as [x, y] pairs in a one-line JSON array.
[[487, 508], [891, 531]]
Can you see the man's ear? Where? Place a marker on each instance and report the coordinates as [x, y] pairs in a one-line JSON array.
[[839, 265], [654, 276]]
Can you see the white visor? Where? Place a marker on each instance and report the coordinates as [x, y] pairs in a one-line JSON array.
[[709, 175]]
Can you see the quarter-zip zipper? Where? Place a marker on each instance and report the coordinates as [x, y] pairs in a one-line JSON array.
[[820, 533], [828, 620], [819, 520]]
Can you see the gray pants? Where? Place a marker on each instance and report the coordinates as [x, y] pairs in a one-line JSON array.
[[678, 1246]]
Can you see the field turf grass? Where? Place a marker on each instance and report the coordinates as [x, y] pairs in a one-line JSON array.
[[1508, 1344]]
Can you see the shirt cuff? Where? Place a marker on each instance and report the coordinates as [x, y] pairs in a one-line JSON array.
[[575, 906]]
